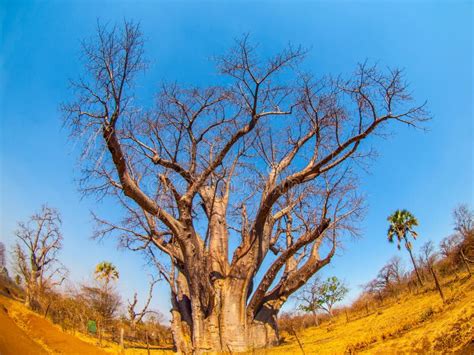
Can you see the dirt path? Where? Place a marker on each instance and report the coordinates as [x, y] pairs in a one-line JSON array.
[[13, 340], [24, 332]]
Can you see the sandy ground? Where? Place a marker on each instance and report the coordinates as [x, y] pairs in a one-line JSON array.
[[13, 340], [23, 332]]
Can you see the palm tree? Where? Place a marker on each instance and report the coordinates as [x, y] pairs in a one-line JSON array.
[[402, 223], [106, 271]]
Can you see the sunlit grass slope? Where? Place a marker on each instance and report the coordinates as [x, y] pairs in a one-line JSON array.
[[23, 332], [415, 324]]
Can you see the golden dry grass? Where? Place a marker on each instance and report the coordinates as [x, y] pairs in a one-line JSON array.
[[23, 332], [43, 336], [416, 324]]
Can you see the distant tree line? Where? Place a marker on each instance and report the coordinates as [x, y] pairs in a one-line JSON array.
[[454, 256]]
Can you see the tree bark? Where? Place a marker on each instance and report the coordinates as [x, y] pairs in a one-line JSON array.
[[463, 257], [316, 318], [414, 266], [438, 286], [31, 290], [227, 327]]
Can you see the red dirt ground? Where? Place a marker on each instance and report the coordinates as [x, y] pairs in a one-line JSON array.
[[24, 332]]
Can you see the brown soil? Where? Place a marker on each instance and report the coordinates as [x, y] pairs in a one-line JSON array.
[[13, 340], [24, 332]]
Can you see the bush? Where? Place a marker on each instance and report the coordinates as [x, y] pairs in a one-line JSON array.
[[427, 314]]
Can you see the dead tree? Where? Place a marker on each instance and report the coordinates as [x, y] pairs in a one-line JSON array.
[[396, 269], [308, 296], [391, 274], [463, 220], [250, 177], [449, 245], [136, 316], [464, 224], [429, 257], [376, 289], [35, 254], [3, 260]]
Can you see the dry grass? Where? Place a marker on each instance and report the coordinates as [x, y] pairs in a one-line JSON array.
[[416, 324], [37, 335], [45, 335]]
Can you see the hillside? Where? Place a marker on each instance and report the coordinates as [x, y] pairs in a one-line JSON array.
[[27, 333], [415, 324]]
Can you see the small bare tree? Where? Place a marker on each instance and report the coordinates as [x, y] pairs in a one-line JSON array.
[[3, 259], [450, 244], [396, 269], [375, 288], [463, 220], [136, 316], [429, 257], [102, 298], [390, 275], [102, 304], [251, 177], [106, 274], [35, 254], [450, 249], [308, 296], [464, 224]]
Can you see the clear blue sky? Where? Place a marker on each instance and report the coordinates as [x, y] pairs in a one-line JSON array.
[[428, 173]]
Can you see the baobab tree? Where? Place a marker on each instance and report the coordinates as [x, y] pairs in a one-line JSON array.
[[245, 188], [402, 223], [35, 254]]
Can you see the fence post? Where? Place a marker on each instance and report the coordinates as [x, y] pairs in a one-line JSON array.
[[438, 286], [122, 347], [147, 342], [298, 340], [466, 263]]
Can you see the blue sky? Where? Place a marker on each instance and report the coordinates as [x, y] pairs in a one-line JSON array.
[[428, 173]]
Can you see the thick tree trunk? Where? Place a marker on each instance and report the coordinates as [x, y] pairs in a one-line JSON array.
[[31, 291], [212, 308], [227, 327], [28, 298]]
